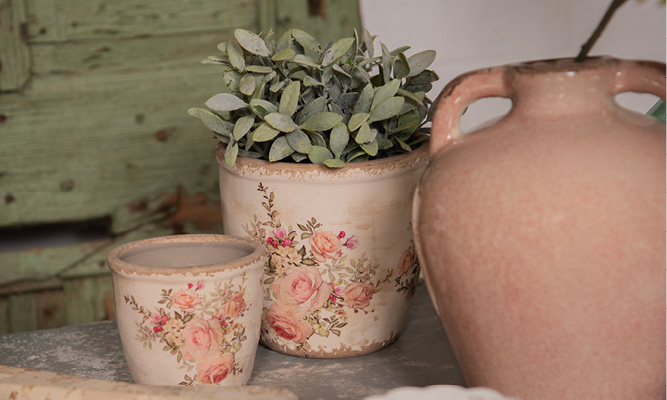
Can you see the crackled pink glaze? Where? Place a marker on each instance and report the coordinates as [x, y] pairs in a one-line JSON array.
[[542, 237]]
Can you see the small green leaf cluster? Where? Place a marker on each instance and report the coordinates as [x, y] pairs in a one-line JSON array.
[[293, 100]]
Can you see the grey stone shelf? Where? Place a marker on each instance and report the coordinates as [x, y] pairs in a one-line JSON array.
[[420, 357]]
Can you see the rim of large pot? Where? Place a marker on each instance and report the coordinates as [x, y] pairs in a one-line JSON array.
[[257, 255], [371, 169]]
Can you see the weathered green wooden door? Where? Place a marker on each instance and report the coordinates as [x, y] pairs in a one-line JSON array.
[[93, 126]]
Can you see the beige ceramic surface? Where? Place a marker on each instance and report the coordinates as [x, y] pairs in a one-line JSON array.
[[189, 308], [543, 235], [343, 266]]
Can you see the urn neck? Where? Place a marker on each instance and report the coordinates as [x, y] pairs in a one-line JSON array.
[[561, 92]]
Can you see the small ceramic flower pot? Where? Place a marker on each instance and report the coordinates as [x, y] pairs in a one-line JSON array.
[[189, 308], [343, 266]]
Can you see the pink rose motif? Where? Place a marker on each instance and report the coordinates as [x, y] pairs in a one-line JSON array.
[[156, 318], [280, 233], [352, 242], [234, 306], [358, 294], [215, 367], [325, 245], [288, 323], [407, 261], [186, 300], [302, 287], [199, 337]]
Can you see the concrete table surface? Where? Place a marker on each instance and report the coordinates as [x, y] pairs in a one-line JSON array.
[[421, 357]]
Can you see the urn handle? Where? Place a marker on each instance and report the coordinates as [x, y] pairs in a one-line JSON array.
[[640, 77], [456, 96]]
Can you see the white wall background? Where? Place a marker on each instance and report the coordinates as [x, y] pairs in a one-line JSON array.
[[471, 34]]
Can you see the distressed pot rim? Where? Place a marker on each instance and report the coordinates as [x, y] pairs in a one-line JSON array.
[[258, 256], [366, 170]]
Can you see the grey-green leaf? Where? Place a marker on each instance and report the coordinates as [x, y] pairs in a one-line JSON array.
[[387, 109], [401, 67], [364, 134], [399, 50], [251, 42], [235, 54], [222, 47], [420, 61], [264, 133], [278, 85], [386, 64], [365, 100], [298, 157], [370, 148], [225, 102], [356, 120], [368, 42], [214, 123], [306, 40], [262, 107], [299, 141], [304, 61], [322, 121], [417, 97], [310, 81], [338, 139], [259, 69], [280, 121], [242, 126], [318, 154], [231, 152], [385, 92], [316, 106], [284, 54], [337, 50], [284, 41], [334, 163], [403, 145], [289, 100], [280, 149], [232, 80], [247, 84]]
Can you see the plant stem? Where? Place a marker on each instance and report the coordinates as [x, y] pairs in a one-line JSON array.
[[586, 47]]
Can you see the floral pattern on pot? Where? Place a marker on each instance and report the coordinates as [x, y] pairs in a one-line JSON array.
[[408, 271], [314, 279], [199, 327]]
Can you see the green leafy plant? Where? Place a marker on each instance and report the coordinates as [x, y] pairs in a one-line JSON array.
[[293, 100]]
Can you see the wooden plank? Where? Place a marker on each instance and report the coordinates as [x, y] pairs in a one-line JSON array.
[[82, 19], [22, 313], [86, 299], [337, 18], [39, 266], [49, 309], [4, 317], [115, 135], [14, 52]]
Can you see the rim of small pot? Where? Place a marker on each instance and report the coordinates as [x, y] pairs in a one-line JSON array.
[[257, 254], [362, 170]]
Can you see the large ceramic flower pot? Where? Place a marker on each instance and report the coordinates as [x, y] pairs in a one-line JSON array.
[[542, 236], [342, 269]]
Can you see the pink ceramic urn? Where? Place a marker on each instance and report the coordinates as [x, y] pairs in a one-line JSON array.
[[542, 237]]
